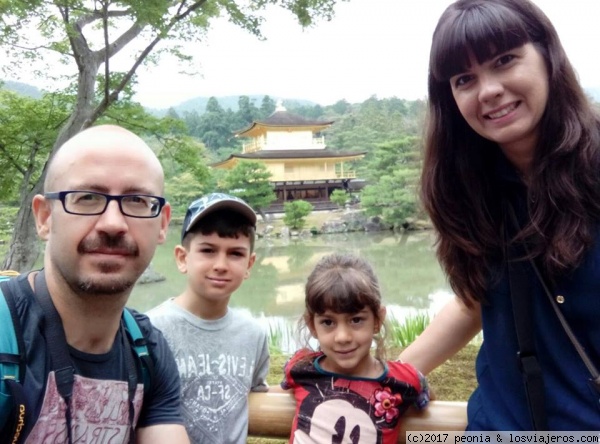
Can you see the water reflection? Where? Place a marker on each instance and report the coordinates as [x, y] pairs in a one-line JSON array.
[[409, 274]]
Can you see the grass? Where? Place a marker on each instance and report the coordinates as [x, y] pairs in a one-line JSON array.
[[403, 333], [275, 338]]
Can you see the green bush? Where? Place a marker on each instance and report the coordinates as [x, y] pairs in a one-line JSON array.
[[295, 213], [339, 197]]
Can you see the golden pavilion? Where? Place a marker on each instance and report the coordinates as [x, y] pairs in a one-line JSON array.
[[294, 151]]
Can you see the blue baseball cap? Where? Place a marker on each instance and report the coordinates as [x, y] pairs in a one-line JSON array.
[[212, 202]]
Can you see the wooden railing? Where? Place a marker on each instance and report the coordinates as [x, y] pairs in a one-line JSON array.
[[271, 416], [346, 174], [253, 146]]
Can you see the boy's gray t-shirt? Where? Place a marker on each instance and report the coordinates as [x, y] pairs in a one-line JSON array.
[[219, 363]]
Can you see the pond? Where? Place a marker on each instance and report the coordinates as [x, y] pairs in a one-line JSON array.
[[410, 276]]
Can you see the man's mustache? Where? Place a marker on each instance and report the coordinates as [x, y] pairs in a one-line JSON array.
[[108, 244]]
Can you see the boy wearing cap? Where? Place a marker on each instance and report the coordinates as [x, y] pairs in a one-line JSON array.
[[221, 353]]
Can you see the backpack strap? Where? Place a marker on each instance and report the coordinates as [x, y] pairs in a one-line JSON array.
[[140, 346], [134, 341], [56, 342], [10, 356], [12, 367]]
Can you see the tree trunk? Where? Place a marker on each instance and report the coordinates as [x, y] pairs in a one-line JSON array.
[[262, 214], [24, 243]]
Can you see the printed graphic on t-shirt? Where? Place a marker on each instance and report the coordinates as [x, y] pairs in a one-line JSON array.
[[333, 409], [99, 412], [346, 412], [214, 385]]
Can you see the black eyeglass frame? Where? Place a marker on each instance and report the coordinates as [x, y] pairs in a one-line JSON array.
[[61, 196]]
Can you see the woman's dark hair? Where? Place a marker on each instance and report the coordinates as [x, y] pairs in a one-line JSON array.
[[459, 187], [344, 283]]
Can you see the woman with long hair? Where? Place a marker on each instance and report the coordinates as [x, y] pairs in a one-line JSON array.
[[511, 175]]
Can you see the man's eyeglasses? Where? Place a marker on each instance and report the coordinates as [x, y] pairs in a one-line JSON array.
[[91, 203]]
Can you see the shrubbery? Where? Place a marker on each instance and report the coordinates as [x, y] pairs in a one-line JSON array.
[[295, 213]]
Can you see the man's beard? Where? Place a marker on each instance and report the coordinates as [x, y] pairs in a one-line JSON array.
[[107, 284]]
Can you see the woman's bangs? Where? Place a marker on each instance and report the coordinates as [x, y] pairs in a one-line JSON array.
[[484, 30]]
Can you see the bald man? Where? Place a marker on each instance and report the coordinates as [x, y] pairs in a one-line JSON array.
[[101, 216]]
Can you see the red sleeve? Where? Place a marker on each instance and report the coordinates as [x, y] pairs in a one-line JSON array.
[[405, 372], [414, 377]]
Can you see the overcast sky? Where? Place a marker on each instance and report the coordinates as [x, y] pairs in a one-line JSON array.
[[371, 47]]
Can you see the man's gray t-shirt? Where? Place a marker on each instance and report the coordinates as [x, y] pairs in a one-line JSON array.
[[219, 363]]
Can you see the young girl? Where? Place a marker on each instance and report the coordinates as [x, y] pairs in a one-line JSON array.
[[343, 392]]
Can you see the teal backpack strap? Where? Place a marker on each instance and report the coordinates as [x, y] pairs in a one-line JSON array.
[[140, 346], [12, 368]]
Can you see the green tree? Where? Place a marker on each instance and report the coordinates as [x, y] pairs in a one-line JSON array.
[[28, 127], [342, 107], [85, 36], [247, 112], [249, 180], [213, 106], [192, 122], [296, 212], [373, 122], [267, 107], [214, 129], [184, 156], [310, 112], [394, 198], [172, 113], [393, 171], [183, 189], [339, 197], [387, 157]]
